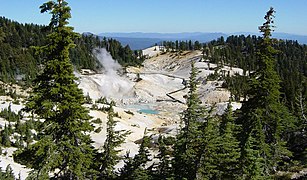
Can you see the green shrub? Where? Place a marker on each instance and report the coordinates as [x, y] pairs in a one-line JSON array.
[[98, 130], [97, 121]]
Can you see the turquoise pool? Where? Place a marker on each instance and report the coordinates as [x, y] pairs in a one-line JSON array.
[[142, 108], [148, 111]]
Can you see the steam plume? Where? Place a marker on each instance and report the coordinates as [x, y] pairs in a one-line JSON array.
[[111, 84], [106, 60]]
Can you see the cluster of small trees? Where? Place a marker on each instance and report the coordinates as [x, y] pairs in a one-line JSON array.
[[21, 132], [182, 45], [8, 174]]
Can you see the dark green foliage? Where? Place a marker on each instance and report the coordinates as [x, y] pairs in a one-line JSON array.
[[82, 55], [28, 134], [2, 90], [140, 160], [18, 60], [163, 168], [127, 170], [63, 144], [182, 45], [290, 62], [238, 86], [229, 151], [8, 174], [129, 112], [107, 160], [274, 80], [213, 76], [264, 119], [188, 142], [10, 115], [208, 165], [97, 121], [24, 130], [251, 163], [88, 99], [135, 168], [298, 141], [98, 130], [241, 51], [16, 56], [200, 150], [102, 100], [5, 137]]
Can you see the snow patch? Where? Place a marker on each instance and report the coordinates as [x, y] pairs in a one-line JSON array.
[[8, 160]]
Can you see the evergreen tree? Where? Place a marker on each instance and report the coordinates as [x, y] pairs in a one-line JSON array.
[[127, 170], [5, 139], [2, 35], [8, 174], [141, 159], [252, 164], [109, 157], [263, 114], [28, 134], [63, 150], [136, 168], [229, 151], [298, 139], [188, 143], [207, 167], [163, 168]]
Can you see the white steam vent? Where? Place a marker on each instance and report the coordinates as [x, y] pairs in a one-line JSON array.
[[107, 84], [105, 59]]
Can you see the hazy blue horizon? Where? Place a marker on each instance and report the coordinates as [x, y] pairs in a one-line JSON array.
[[171, 16]]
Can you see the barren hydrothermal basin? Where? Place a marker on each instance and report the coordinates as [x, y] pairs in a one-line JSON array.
[[159, 87]]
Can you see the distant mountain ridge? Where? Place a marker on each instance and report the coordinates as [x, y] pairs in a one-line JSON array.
[[141, 40], [182, 35]]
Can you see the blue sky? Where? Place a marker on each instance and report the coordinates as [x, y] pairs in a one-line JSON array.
[[167, 15]]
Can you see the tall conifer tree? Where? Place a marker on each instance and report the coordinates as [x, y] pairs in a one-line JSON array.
[[63, 150], [263, 116], [187, 147], [229, 152], [207, 167], [110, 157], [163, 168], [135, 168]]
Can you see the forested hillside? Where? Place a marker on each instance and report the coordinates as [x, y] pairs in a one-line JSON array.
[[291, 66], [241, 51], [19, 61]]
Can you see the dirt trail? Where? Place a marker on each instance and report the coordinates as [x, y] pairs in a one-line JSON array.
[[184, 81]]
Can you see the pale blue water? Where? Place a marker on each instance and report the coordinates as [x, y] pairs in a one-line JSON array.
[[143, 108], [148, 111]]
